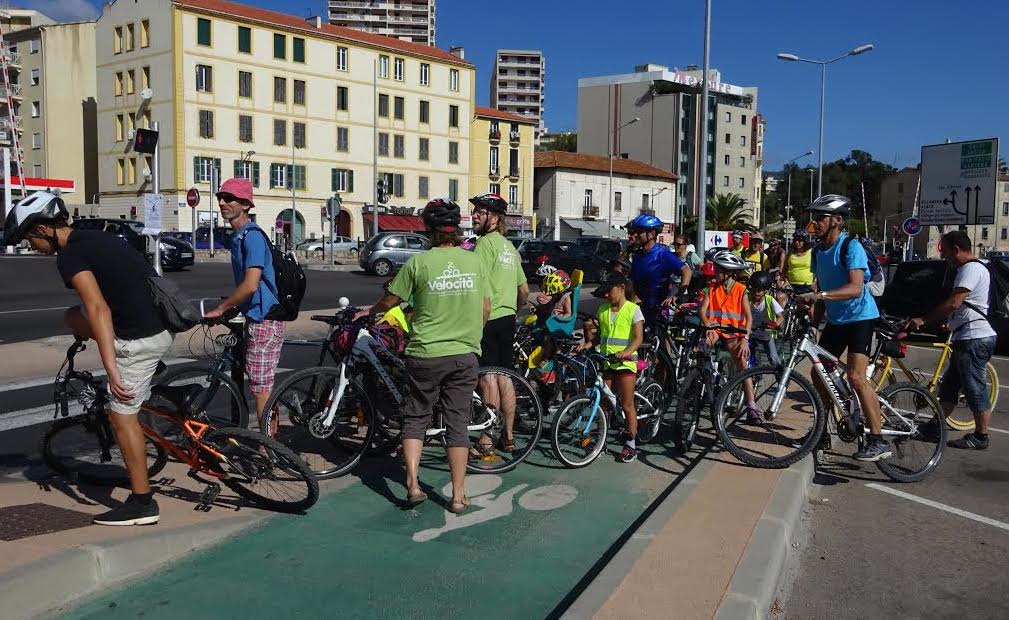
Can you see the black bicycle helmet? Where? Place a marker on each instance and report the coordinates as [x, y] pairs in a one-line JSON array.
[[441, 214], [762, 281], [490, 201], [36, 208], [800, 235], [831, 204]]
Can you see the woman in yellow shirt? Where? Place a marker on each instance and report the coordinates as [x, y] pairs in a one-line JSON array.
[[797, 265]]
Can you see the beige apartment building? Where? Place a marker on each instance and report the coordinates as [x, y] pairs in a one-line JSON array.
[[501, 161], [302, 108], [51, 68], [408, 20], [518, 85]]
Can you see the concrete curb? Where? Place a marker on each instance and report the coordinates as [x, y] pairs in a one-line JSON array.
[[332, 267], [41, 588], [751, 591]]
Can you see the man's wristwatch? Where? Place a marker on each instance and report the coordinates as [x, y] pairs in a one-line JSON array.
[[822, 295]]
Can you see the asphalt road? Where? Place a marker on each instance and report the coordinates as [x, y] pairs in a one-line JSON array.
[[34, 297]]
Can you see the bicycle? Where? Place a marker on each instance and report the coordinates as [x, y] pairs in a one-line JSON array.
[[884, 372], [581, 426], [789, 427], [332, 416], [83, 447]]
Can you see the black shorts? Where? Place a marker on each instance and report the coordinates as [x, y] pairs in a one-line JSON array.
[[498, 344], [855, 337]]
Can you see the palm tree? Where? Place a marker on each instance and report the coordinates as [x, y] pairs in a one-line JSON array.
[[728, 212]]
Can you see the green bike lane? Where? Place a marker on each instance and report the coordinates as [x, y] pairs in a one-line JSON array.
[[532, 537]]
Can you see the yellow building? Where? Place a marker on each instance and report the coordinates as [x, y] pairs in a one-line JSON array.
[[501, 161], [304, 109]]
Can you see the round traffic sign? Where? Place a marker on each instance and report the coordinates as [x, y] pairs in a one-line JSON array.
[[911, 226], [193, 197]]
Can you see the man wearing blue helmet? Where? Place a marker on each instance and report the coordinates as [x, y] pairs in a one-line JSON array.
[[653, 267]]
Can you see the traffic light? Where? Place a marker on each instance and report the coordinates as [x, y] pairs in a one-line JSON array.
[[145, 140], [383, 191]]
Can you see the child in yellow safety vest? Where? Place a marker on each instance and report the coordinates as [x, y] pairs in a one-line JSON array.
[[766, 314], [619, 332]]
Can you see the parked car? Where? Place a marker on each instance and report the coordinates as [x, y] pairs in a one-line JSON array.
[[386, 252], [598, 255], [222, 237], [175, 253], [533, 253], [339, 244]]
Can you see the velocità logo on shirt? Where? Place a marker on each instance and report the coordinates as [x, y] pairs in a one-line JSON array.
[[505, 258], [452, 282]]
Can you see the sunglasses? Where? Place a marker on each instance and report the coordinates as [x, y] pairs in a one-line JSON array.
[[227, 198]]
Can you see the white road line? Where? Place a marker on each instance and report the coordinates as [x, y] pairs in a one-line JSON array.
[[30, 383], [998, 430], [34, 310], [943, 507]]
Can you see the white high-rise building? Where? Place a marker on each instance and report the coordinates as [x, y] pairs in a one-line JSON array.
[[407, 20], [518, 85]]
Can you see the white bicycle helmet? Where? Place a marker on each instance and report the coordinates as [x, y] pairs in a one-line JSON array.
[[831, 204], [545, 269], [729, 261], [38, 207]]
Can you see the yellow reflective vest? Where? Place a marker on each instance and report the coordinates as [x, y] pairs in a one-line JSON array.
[[615, 335]]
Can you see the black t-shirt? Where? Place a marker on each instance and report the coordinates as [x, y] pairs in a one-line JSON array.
[[121, 273]]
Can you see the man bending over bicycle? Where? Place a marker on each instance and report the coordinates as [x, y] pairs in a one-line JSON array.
[[726, 304], [118, 311]]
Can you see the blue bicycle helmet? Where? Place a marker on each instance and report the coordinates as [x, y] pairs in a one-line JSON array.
[[645, 222]]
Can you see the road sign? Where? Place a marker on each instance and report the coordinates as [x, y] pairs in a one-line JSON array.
[[193, 197], [716, 239], [145, 140], [958, 182], [154, 206], [911, 226]]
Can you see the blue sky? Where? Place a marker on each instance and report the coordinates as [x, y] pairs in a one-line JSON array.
[[939, 69]]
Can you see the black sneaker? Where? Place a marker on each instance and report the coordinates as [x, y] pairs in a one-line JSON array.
[[628, 454], [970, 441], [873, 450], [131, 512]]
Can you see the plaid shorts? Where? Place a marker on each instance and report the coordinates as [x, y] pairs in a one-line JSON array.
[[262, 353]]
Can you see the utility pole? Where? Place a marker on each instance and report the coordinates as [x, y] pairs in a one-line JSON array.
[[374, 143], [156, 185], [703, 161]]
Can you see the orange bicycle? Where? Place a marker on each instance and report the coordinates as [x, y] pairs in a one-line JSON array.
[[82, 447]]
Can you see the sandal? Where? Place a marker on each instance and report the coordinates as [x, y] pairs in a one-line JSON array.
[[506, 445], [459, 506], [481, 451], [414, 499]]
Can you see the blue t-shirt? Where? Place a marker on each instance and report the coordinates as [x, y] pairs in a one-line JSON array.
[[651, 271], [249, 248], [831, 274]]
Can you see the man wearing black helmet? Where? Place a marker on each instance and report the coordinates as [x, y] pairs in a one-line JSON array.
[[653, 266], [450, 307], [850, 311]]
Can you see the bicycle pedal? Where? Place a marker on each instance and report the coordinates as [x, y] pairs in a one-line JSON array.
[[209, 495]]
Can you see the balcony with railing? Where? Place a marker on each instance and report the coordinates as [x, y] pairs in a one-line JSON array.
[[513, 174], [494, 171], [590, 211], [514, 137], [514, 208], [13, 59], [494, 135], [406, 19], [5, 124], [15, 92]]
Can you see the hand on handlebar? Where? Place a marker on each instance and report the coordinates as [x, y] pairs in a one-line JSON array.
[[913, 324], [361, 314], [808, 298]]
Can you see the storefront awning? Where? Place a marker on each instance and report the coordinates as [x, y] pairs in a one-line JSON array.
[[592, 228], [404, 223]]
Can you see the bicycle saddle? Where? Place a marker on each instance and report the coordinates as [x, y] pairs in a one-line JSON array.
[[178, 395], [329, 320]]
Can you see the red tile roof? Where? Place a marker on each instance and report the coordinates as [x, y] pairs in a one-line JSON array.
[[505, 116], [293, 22], [599, 163]]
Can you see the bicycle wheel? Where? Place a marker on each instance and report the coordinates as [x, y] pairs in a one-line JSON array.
[[262, 470], [689, 403], [490, 422], [221, 400], [84, 449], [297, 412], [910, 408], [650, 404], [579, 430], [961, 418], [769, 443]]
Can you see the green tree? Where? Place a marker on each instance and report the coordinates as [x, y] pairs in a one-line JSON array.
[[1003, 168], [567, 141], [728, 212]]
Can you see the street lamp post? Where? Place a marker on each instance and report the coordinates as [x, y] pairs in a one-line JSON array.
[[613, 143], [702, 163], [861, 49], [788, 201]]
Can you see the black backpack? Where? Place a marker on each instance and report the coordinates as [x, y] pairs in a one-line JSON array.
[[289, 286], [998, 290]]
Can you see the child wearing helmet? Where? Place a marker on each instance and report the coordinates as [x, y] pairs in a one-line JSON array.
[[767, 314], [554, 299]]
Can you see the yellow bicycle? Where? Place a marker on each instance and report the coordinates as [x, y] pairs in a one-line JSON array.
[[961, 418]]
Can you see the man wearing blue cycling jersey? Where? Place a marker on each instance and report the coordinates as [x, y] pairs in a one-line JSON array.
[[653, 267]]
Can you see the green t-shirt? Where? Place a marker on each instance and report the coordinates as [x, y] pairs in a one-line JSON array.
[[448, 288], [502, 266]]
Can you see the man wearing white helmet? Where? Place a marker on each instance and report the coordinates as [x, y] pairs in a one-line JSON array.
[[118, 312]]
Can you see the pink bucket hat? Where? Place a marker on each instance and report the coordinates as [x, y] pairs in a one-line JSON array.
[[239, 188]]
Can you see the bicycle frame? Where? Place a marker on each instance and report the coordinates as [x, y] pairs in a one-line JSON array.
[[947, 349], [599, 390]]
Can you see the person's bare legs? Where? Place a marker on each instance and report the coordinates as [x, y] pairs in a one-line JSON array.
[[261, 398], [132, 443], [857, 366], [506, 398], [457, 459], [412, 449], [490, 393], [981, 420]]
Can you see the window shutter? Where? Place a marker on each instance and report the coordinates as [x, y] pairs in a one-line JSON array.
[[290, 176], [196, 170], [217, 167], [255, 174], [333, 173], [238, 169], [350, 180]]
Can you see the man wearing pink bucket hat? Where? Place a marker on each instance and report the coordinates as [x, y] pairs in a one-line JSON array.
[[256, 292]]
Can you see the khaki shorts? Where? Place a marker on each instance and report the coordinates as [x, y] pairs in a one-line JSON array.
[[137, 361]]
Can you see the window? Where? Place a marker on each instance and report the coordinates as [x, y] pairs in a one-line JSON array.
[[399, 146], [119, 127], [513, 195], [397, 185], [383, 144], [383, 66], [984, 232], [202, 167], [247, 170], [727, 160], [342, 139], [425, 112], [298, 176], [279, 132], [299, 135], [36, 109], [206, 124], [588, 198], [131, 82], [341, 59], [279, 90], [383, 106], [425, 74], [278, 175], [742, 182], [145, 78], [245, 84], [145, 33], [1005, 231], [36, 170], [398, 68], [423, 187], [453, 189], [728, 138], [36, 140], [494, 188], [398, 108], [297, 49], [742, 161], [453, 79], [120, 171], [279, 46], [725, 181], [453, 116], [299, 92], [742, 119], [205, 78], [728, 117], [513, 162], [495, 160], [131, 122], [742, 140], [130, 39], [245, 39], [645, 203], [36, 44], [244, 128], [424, 149], [618, 201], [117, 48], [202, 31], [342, 180], [342, 98], [119, 83], [1005, 208], [35, 77], [131, 171], [453, 152]]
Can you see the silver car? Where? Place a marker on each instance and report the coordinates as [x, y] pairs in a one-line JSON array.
[[339, 244], [386, 252]]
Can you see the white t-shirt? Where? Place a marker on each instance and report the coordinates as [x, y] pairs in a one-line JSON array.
[[965, 323], [759, 311], [638, 316]]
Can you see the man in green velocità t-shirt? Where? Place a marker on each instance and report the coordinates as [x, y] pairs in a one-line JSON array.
[[450, 307], [506, 285]]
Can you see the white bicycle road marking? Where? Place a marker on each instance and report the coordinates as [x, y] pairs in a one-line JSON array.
[[940, 506], [486, 506], [998, 430], [33, 310]]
